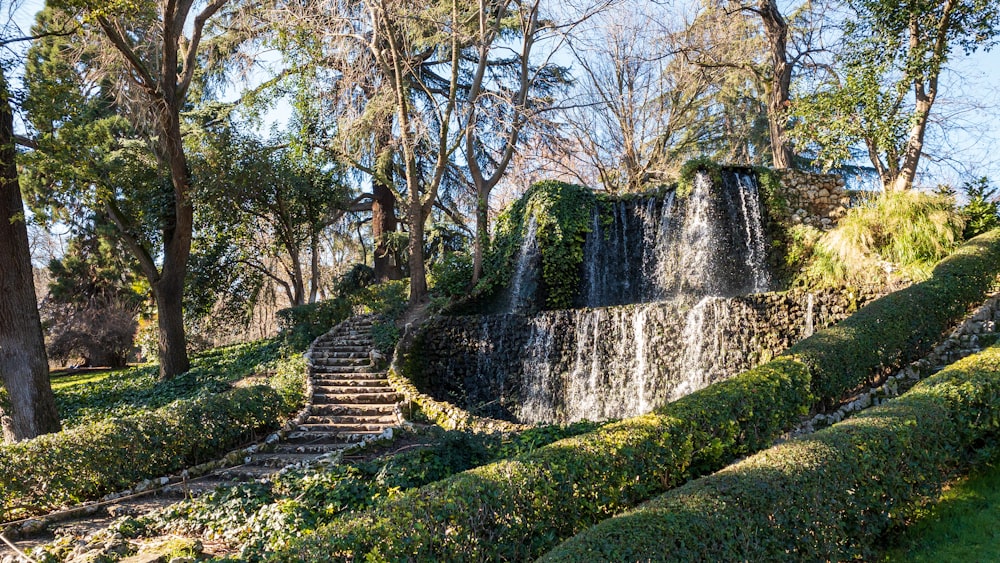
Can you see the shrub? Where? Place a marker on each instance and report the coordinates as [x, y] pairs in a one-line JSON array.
[[303, 324], [91, 460], [826, 497], [519, 508], [981, 212], [906, 231], [451, 276]]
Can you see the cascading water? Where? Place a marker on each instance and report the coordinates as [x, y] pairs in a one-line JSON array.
[[524, 283], [710, 242], [653, 326]]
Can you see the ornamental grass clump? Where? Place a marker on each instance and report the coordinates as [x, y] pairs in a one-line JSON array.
[[895, 235]]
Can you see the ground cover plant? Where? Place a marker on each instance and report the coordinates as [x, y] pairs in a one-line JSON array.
[[828, 496], [129, 425], [130, 391], [258, 517], [519, 508], [962, 525]]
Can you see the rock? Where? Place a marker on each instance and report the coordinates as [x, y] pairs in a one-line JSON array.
[[146, 558]]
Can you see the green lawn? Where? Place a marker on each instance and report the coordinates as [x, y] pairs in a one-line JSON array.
[[64, 379], [963, 526]]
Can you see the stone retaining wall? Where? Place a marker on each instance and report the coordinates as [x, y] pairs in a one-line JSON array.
[[611, 362], [818, 200]]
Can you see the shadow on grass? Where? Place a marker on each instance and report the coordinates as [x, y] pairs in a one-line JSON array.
[[964, 525]]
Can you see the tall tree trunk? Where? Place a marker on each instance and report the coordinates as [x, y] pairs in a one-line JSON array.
[[418, 274], [169, 289], [384, 221], [314, 275], [482, 232], [27, 406], [776, 30]]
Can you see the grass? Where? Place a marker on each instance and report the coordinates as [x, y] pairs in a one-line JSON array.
[[964, 525], [63, 379]]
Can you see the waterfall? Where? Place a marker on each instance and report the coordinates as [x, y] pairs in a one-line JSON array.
[[524, 283], [709, 242], [808, 327], [653, 323]]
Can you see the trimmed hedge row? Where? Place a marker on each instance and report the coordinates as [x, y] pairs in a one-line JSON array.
[[517, 508], [520, 508], [902, 326], [827, 497], [91, 460]]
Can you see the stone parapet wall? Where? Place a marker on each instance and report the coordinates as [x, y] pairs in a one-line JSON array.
[[604, 363], [818, 200]]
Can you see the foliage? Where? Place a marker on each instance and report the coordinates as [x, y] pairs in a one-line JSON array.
[[901, 326], [303, 324], [897, 234], [982, 212], [451, 275], [891, 50], [263, 516], [131, 391], [93, 459], [829, 496], [354, 279], [690, 170], [562, 215], [519, 508]]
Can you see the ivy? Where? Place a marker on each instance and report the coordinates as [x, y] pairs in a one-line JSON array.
[[562, 214], [690, 169]]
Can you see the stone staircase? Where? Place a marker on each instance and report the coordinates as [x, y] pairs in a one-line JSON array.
[[351, 401]]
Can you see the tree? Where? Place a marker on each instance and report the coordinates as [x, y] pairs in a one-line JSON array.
[[92, 306], [27, 406], [278, 205], [145, 57], [890, 65]]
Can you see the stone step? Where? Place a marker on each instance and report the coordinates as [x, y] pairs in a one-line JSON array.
[[312, 436], [332, 361], [284, 459], [317, 448], [342, 409], [344, 429], [352, 418], [361, 380], [387, 397], [319, 389], [340, 355], [322, 367]]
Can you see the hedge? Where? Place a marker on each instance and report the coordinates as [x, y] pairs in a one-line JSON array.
[[827, 497], [520, 508], [91, 460], [902, 326]]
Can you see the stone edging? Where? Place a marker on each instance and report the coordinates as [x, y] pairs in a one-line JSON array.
[[964, 340], [441, 413]]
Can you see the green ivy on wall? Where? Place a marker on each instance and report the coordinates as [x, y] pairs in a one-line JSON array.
[[562, 214]]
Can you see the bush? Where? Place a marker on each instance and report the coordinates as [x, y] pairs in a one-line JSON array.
[[826, 497], [895, 234], [303, 324], [981, 212], [98, 458], [901, 326], [451, 276], [519, 508]]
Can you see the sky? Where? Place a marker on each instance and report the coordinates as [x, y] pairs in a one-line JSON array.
[[969, 105]]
